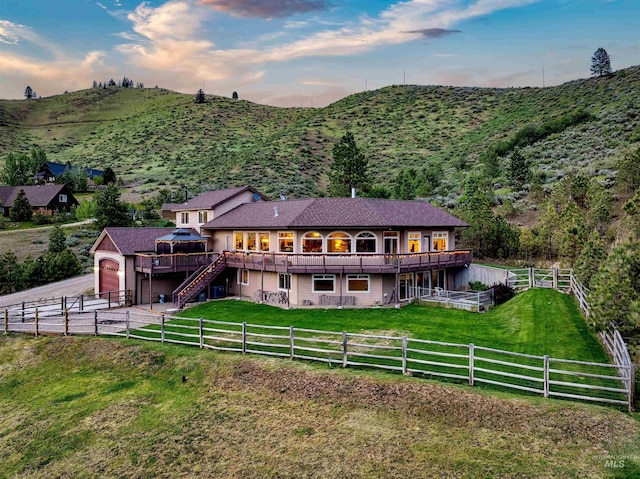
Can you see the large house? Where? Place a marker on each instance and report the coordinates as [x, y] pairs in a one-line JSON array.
[[44, 199], [50, 170], [310, 252]]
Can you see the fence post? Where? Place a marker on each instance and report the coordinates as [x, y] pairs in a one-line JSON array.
[[37, 319], [162, 328], [6, 321], [201, 333], [66, 322], [127, 327], [244, 338], [62, 301], [81, 304], [344, 349], [632, 386], [404, 355], [532, 274], [291, 343], [555, 278], [23, 311], [546, 376], [471, 364], [95, 322]]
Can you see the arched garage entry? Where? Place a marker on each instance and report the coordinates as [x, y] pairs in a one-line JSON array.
[[108, 279]]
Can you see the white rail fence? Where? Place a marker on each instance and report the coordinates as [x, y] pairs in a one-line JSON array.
[[542, 375]]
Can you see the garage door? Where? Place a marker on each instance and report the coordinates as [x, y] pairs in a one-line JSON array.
[[109, 279]]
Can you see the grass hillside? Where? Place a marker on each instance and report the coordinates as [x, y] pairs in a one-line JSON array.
[[89, 407], [156, 138]]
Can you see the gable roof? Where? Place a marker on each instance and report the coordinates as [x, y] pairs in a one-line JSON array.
[[59, 168], [38, 195], [336, 213], [211, 199], [129, 241]]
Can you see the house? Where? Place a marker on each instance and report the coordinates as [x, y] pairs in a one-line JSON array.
[[206, 206], [44, 199], [50, 171], [309, 252]]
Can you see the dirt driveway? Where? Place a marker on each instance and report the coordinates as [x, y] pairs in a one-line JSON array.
[[69, 287]]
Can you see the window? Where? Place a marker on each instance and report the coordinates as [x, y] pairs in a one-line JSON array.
[[243, 276], [284, 282], [324, 283], [312, 242], [366, 242], [263, 241], [338, 242], [251, 241], [285, 242], [184, 218], [238, 240], [62, 198], [202, 217], [413, 244], [440, 240], [358, 283], [391, 240]]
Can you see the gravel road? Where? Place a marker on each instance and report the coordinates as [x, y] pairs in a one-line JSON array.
[[69, 287]]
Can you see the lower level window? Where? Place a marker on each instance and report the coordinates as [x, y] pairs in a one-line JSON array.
[[324, 283], [243, 276], [358, 283], [284, 282]]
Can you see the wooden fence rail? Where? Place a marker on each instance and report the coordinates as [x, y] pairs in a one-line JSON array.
[[469, 363]]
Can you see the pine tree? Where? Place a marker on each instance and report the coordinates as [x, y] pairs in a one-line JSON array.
[[109, 176], [628, 172], [57, 240], [519, 172], [29, 93], [590, 259], [200, 98], [21, 209], [600, 63], [234, 96], [572, 234], [110, 211], [349, 168]]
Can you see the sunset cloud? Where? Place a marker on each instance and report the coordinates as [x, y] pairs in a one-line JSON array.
[[267, 8], [434, 32]]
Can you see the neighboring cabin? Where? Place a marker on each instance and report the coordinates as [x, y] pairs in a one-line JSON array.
[[50, 171], [44, 199], [311, 252]]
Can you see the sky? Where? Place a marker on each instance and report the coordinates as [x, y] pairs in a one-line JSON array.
[[308, 53]]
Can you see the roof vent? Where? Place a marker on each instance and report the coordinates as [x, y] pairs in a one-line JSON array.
[[276, 211]]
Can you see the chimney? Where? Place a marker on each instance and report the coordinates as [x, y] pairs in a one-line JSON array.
[[353, 192], [276, 211]]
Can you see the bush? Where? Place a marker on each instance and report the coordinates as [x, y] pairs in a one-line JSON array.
[[477, 286], [39, 219], [502, 293]]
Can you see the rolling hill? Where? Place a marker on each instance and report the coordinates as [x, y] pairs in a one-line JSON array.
[[155, 138]]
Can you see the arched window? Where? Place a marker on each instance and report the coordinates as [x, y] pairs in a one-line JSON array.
[[338, 242], [366, 242], [312, 242]]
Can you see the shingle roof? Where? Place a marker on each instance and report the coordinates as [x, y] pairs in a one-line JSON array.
[[335, 213], [211, 199], [132, 240], [38, 195]]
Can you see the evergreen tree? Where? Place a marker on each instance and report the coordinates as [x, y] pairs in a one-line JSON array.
[[628, 172], [548, 224], [57, 240], [536, 192], [21, 209], [615, 293], [110, 211], [519, 172], [572, 234], [200, 98], [590, 259], [632, 213], [11, 275], [109, 176], [403, 188], [527, 242], [600, 63], [600, 203], [29, 93], [234, 95], [349, 168]]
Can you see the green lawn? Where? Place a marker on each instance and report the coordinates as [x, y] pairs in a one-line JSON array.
[[538, 321]]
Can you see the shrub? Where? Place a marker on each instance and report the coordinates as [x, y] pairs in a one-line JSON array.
[[39, 219], [477, 286], [502, 293]]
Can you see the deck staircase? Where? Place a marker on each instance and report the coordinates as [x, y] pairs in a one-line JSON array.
[[199, 280]]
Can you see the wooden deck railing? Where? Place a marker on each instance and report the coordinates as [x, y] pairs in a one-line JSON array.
[[170, 263]]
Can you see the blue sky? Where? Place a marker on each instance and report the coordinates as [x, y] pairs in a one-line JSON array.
[[308, 52]]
